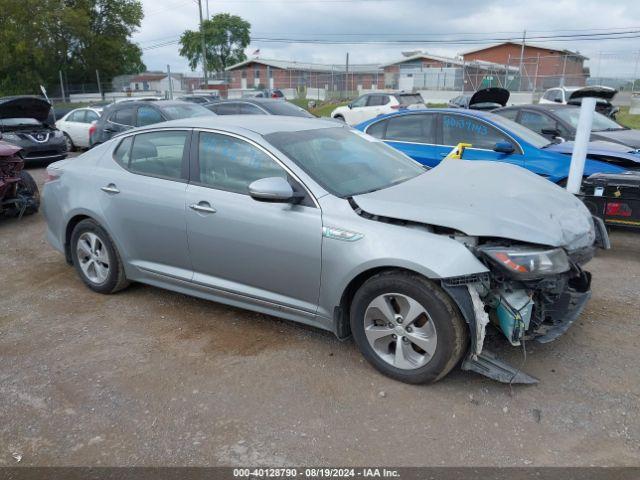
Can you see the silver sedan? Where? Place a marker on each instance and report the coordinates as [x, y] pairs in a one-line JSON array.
[[311, 221]]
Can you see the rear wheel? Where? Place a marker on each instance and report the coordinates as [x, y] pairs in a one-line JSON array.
[[407, 327], [339, 117], [96, 259]]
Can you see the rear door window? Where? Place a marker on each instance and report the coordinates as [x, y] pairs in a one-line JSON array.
[[159, 154], [148, 116], [412, 128], [77, 116], [375, 100], [248, 109], [91, 116], [464, 129], [510, 114], [123, 116]]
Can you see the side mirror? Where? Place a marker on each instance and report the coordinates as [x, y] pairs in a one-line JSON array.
[[272, 189], [550, 132], [504, 147], [350, 105]]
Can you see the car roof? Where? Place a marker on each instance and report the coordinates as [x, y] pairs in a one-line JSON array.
[[260, 124], [539, 106], [256, 100]]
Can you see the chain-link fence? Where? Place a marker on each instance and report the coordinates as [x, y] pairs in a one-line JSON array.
[[525, 77]]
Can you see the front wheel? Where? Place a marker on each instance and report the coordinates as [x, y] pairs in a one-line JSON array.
[[96, 259], [67, 139], [407, 327]]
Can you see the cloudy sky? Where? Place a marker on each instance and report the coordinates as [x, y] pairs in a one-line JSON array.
[[375, 20]]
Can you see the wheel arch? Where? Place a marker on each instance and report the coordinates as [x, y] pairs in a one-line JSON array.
[[68, 230], [342, 312]]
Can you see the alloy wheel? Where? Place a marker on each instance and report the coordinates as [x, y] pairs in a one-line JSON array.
[[93, 257], [400, 331]]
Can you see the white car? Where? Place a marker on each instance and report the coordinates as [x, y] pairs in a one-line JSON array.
[[371, 105], [76, 124]]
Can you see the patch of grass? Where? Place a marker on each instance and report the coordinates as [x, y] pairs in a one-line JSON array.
[[624, 118], [323, 109]]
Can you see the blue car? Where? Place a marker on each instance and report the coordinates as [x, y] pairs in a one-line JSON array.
[[428, 136]]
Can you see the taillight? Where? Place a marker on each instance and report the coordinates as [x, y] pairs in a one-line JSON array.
[[618, 209], [92, 129], [51, 175]]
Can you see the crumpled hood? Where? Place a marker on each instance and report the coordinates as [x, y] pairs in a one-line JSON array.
[[24, 107], [628, 137], [487, 199], [599, 148]]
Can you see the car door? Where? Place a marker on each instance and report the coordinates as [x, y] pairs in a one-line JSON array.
[[539, 122], [266, 252], [143, 201], [147, 115], [73, 126], [89, 119], [414, 135], [358, 111], [460, 128], [119, 121], [375, 103]]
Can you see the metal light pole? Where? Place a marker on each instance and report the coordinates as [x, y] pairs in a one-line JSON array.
[[99, 86], [579, 154], [170, 82], [64, 99], [204, 48], [524, 37]]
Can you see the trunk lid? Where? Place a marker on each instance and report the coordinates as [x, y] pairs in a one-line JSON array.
[[491, 95]]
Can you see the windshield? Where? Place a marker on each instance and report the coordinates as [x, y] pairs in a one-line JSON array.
[[280, 107], [175, 112], [524, 133], [600, 122], [345, 162]]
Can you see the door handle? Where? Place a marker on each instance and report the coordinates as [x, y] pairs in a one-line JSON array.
[[111, 188], [202, 207]]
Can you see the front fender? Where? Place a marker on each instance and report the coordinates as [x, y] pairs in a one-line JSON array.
[[385, 245]]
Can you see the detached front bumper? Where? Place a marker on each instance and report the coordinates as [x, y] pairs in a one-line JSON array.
[[552, 305], [562, 313]]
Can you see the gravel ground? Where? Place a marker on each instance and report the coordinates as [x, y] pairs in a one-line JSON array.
[[150, 377]]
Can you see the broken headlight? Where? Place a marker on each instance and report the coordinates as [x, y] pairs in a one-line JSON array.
[[528, 263]]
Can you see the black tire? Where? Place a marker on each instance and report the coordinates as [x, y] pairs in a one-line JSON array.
[[116, 279], [27, 191], [452, 331], [340, 117], [70, 146]]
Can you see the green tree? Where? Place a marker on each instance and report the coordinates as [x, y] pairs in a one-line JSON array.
[[226, 36], [41, 37]]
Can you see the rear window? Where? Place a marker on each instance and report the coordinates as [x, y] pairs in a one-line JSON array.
[[175, 112], [409, 99], [285, 108]]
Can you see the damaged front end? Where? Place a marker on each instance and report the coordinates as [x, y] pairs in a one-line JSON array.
[[530, 294]]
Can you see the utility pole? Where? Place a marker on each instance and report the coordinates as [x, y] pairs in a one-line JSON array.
[[204, 48], [346, 74], [64, 99], [524, 38], [170, 82], [99, 86]]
